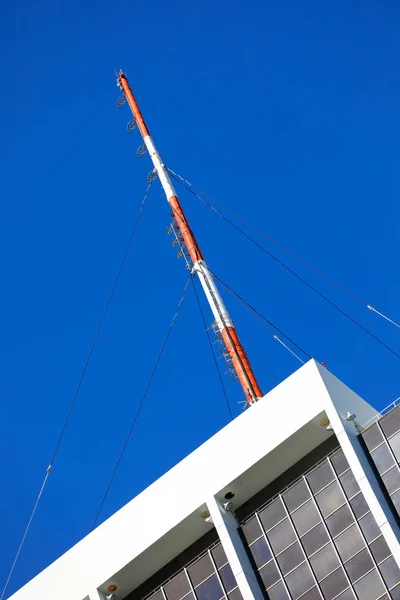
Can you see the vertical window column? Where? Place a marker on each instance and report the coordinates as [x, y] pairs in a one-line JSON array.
[[383, 443], [369, 486], [96, 595], [227, 528]]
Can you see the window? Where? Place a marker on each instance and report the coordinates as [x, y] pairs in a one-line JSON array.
[[227, 577], [260, 552], [219, 556], [281, 536], [390, 423], [296, 495], [201, 569], [359, 505], [390, 572], [330, 499], [252, 530], [210, 589], [339, 520], [339, 462], [391, 480], [349, 543], [335, 583], [315, 539], [326, 544], [306, 517], [269, 574], [178, 587], [324, 562], [369, 587], [300, 580], [272, 514], [290, 558], [278, 592], [394, 443], [369, 527], [380, 549], [359, 565], [373, 437], [320, 477], [349, 484], [204, 575], [382, 458]]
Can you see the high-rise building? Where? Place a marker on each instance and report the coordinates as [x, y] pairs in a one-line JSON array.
[[296, 498]]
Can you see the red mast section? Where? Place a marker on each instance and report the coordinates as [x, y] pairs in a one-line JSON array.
[[224, 323]]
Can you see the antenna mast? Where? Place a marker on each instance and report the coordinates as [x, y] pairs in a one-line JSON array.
[[224, 323]]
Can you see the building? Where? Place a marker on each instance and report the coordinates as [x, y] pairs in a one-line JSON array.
[[289, 500]]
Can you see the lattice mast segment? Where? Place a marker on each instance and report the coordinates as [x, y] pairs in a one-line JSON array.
[[224, 324]]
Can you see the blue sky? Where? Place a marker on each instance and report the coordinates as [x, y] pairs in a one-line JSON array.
[[287, 112]]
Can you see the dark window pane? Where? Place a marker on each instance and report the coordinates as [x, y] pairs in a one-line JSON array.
[[373, 437], [395, 593], [390, 423], [339, 462], [219, 556], [260, 552], [278, 592], [320, 477], [300, 580], [350, 485], [359, 565], [349, 543], [272, 514], [305, 517], [359, 505], [281, 536], [390, 572], [394, 443], [335, 583], [347, 595], [178, 587], [369, 587], [235, 595], [324, 562], [315, 539], [396, 500], [252, 530], [369, 527], [228, 578], [382, 458], [200, 570], [296, 495], [312, 594], [380, 549], [290, 558], [210, 590], [269, 574], [330, 499], [391, 479], [340, 520]]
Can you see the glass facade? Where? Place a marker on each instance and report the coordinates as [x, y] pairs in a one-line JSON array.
[[318, 539], [382, 440], [208, 577]]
